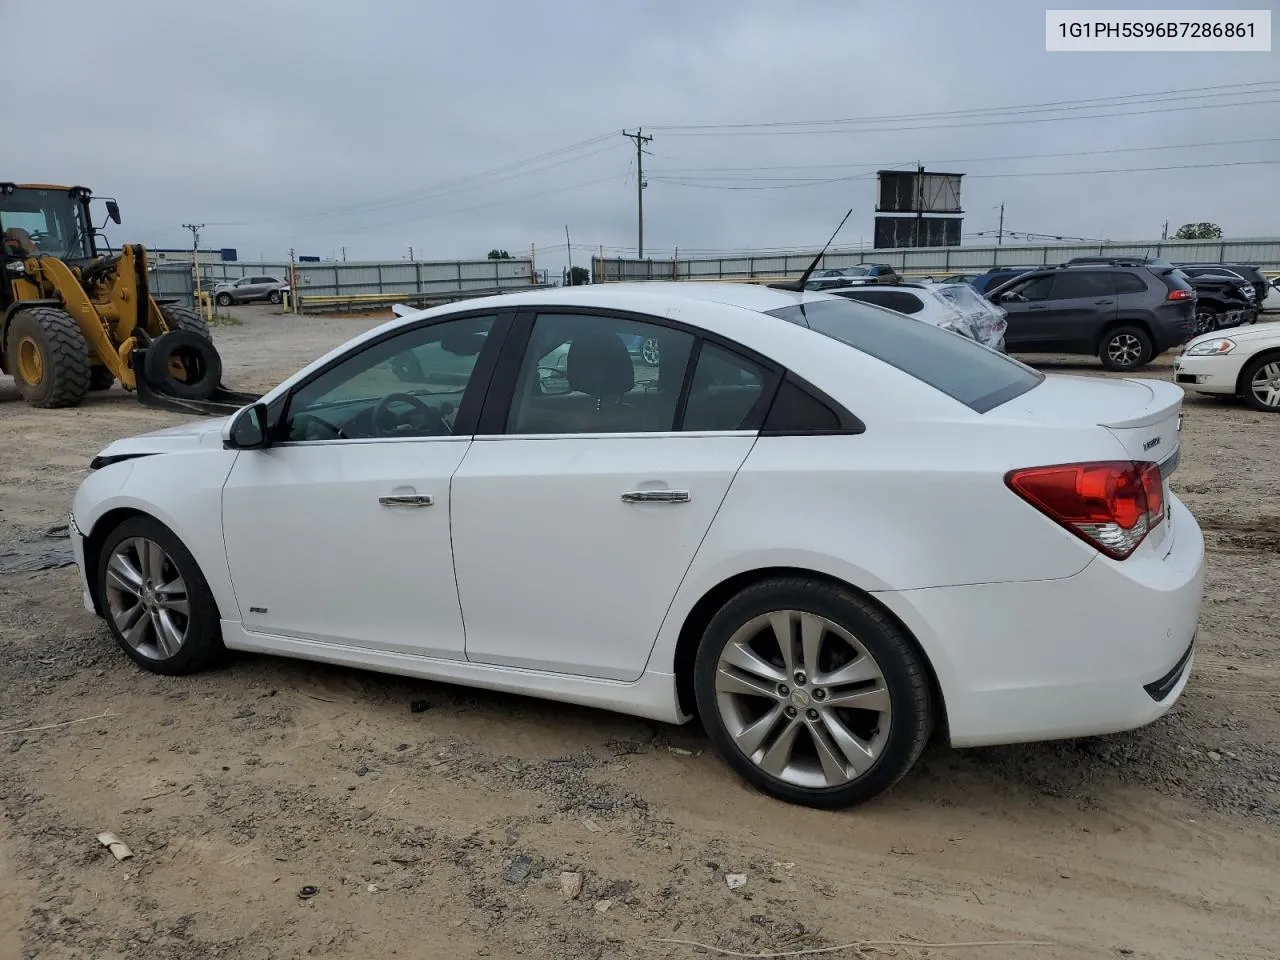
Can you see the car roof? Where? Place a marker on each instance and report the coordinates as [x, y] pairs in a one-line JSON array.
[[625, 295]]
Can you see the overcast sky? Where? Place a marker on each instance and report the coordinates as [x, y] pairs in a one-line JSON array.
[[394, 123]]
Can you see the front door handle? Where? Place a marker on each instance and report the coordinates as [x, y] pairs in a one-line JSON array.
[[1103, 303], [1038, 307], [407, 500], [655, 496]]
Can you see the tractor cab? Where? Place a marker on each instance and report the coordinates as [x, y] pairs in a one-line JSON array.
[[42, 220]]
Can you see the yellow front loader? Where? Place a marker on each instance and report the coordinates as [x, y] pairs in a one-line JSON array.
[[74, 319]]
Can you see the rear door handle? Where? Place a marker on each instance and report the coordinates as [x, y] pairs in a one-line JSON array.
[[655, 496], [407, 500], [1103, 303], [1041, 307]]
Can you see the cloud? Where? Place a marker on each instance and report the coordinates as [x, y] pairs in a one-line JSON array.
[[326, 124]]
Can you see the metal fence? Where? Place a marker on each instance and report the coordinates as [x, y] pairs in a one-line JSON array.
[[1264, 252], [348, 278]]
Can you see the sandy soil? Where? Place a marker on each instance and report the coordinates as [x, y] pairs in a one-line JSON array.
[[436, 821]]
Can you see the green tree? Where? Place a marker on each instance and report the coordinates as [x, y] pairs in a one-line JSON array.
[[1199, 231], [496, 254], [578, 276]]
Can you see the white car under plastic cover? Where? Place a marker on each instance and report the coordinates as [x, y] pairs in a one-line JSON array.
[[916, 499]]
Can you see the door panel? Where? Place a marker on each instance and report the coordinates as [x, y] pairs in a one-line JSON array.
[[560, 565], [315, 554], [1083, 302]]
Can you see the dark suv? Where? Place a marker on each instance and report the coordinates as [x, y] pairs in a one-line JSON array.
[[1247, 271], [1123, 312]]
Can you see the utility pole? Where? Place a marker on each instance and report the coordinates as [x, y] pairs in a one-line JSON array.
[[293, 282], [195, 229], [919, 199], [344, 254], [640, 140], [411, 254], [568, 247], [1165, 234], [1000, 232]]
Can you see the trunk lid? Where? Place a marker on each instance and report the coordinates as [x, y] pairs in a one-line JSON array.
[[1145, 416]]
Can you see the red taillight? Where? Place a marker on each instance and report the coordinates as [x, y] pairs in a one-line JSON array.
[[1181, 294], [1111, 505]]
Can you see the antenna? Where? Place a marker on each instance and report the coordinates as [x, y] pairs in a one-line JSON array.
[[804, 277]]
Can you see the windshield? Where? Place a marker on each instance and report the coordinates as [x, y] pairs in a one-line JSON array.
[[976, 376], [43, 222]]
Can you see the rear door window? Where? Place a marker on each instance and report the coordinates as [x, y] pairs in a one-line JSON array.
[[966, 371], [1129, 283], [1079, 284]]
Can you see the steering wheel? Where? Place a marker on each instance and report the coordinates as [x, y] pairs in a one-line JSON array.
[[383, 426]]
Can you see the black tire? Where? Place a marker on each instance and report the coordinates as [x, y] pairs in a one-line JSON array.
[[1125, 348], [202, 643], [100, 378], [1207, 319], [179, 317], [183, 364], [223, 299], [1247, 375], [274, 296], [905, 679], [53, 338]]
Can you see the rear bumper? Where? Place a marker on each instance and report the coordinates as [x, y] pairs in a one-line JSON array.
[[1079, 656]]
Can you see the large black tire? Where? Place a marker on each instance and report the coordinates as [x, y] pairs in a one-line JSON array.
[[48, 357], [184, 318], [201, 643], [806, 699], [183, 364], [1125, 348], [100, 378]]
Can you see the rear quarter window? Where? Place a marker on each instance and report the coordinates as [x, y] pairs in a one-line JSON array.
[[966, 371]]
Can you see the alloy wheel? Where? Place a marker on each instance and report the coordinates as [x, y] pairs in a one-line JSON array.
[[650, 351], [147, 598], [1265, 385], [803, 699], [1124, 350], [1206, 320]]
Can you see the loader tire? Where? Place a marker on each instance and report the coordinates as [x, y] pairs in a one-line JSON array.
[[183, 364], [184, 318], [48, 357], [100, 378]]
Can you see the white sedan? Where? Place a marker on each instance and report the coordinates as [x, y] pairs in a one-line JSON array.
[[824, 528], [1244, 362]]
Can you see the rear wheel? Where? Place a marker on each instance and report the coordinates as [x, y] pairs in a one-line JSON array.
[[811, 693], [1261, 379], [1125, 348], [48, 357], [157, 603]]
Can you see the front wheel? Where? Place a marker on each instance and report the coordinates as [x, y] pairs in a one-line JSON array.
[[1261, 379], [223, 299], [811, 693], [156, 601], [1125, 348], [274, 296]]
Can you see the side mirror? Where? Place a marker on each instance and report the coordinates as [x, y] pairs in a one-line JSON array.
[[113, 211], [249, 430]]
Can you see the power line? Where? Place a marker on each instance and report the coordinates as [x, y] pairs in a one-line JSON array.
[[975, 123], [688, 173], [975, 176], [1056, 106]]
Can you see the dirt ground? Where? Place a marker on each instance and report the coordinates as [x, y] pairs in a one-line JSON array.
[[436, 821]]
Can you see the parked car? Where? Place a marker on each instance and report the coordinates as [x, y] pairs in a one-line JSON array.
[[844, 276], [1223, 299], [249, 289], [966, 278], [943, 305], [1123, 312], [1243, 363], [791, 540], [1250, 273], [998, 275]]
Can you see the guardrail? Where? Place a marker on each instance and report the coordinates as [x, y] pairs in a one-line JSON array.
[[319, 303]]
